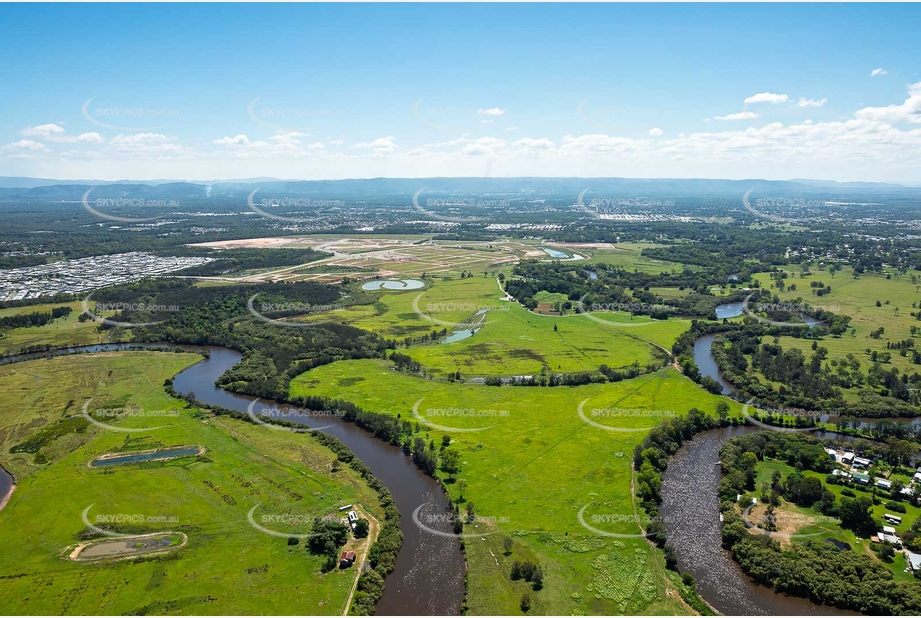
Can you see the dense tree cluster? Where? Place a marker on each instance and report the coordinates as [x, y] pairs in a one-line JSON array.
[[815, 570], [273, 353], [36, 318]]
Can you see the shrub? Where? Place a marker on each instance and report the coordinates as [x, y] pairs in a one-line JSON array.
[[525, 603]]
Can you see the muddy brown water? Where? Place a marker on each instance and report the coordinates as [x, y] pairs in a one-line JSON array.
[[428, 578], [429, 574]]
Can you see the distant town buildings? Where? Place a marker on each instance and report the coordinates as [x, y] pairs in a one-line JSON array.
[[87, 274]]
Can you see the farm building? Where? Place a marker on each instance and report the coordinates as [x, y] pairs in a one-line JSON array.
[[346, 559], [914, 561], [860, 462], [892, 539], [892, 519]]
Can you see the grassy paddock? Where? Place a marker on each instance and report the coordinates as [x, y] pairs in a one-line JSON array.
[[228, 567], [530, 468], [60, 332]]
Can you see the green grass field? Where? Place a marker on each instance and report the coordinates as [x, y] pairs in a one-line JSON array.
[[228, 567], [531, 464], [61, 332], [513, 340], [627, 255], [857, 298]]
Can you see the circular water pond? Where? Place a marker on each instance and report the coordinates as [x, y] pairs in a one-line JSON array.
[[394, 284]]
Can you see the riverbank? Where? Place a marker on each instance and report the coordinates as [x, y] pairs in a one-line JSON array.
[[428, 575], [291, 479], [691, 516], [9, 494]]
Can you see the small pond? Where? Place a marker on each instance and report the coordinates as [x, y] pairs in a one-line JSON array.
[[158, 455], [394, 284]]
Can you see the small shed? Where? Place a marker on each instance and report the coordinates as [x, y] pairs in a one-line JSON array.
[[861, 462], [892, 519], [346, 559], [914, 561]]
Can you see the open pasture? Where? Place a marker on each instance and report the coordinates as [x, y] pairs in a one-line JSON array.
[[531, 463], [228, 566]]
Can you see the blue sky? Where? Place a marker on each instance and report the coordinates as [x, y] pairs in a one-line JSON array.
[[335, 91]]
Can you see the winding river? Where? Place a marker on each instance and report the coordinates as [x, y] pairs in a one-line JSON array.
[[429, 575], [690, 509]]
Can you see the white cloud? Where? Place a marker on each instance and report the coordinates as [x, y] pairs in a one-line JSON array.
[[25, 144], [381, 145], [655, 131], [145, 144], [237, 140], [24, 149], [534, 143], [55, 133], [738, 116], [767, 97], [511, 128], [804, 102], [492, 111], [43, 130], [909, 111], [879, 71], [85, 138]]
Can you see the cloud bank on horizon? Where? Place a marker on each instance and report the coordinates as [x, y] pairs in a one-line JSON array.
[[806, 128]]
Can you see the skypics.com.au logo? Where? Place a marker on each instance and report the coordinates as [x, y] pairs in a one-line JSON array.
[[597, 414], [289, 118], [127, 519], [120, 413], [630, 520], [293, 520], [613, 307], [290, 308], [780, 203], [777, 418], [289, 202], [291, 418], [477, 312], [452, 412], [117, 118], [122, 306], [598, 207], [453, 202], [428, 519], [801, 309], [123, 203]]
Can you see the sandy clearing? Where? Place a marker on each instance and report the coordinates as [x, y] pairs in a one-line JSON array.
[[250, 243]]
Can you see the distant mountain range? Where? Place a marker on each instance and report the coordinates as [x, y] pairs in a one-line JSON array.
[[40, 189]]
